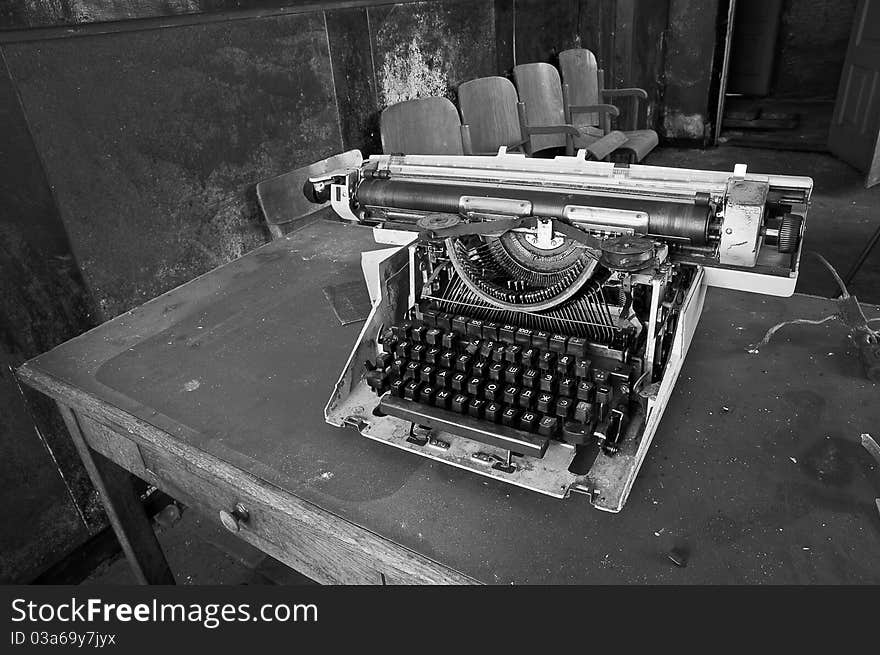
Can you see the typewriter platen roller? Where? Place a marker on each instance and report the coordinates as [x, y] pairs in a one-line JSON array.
[[532, 321]]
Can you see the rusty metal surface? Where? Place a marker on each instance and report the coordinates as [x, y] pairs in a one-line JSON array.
[[153, 141], [756, 470]]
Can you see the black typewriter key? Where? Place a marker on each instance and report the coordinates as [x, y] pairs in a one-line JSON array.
[[511, 354], [417, 352], [585, 390], [417, 332], [463, 363], [545, 403], [490, 330], [432, 355], [576, 346], [530, 378], [506, 333], [473, 346], [411, 372], [576, 433], [384, 360], [512, 373], [412, 389], [426, 395], [492, 391], [475, 386], [401, 331], [444, 321], [476, 407], [459, 382], [528, 421], [526, 398], [402, 348], [475, 328], [434, 337], [459, 403], [397, 387], [564, 364], [447, 359], [459, 324], [498, 352], [567, 387], [429, 317], [388, 339], [398, 366], [523, 337], [558, 343], [510, 416], [548, 426], [481, 367], [376, 380], [511, 393], [600, 375], [541, 339], [548, 383], [603, 394], [426, 374], [442, 398], [496, 370], [528, 357], [492, 412], [487, 348], [449, 340], [547, 361], [582, 412], [582, 368], [442, 378], [563, 407]]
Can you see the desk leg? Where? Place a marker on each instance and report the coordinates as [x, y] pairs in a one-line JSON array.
[[124, 509]]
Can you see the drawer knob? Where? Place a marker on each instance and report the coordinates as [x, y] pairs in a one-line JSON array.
[[232, 520]]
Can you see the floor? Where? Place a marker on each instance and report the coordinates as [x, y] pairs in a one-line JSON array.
[[842, 218], [785, 123]]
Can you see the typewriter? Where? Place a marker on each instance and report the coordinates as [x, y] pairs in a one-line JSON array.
[[532, 315]]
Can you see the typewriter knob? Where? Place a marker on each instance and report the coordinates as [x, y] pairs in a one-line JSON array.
[[789, 233], [232, 520]]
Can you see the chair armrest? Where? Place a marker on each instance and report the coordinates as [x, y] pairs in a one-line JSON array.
[[640, 93], [569, 130], [635, 94], [594, 109]]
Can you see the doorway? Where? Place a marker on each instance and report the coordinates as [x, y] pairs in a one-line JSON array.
[[783, 69]]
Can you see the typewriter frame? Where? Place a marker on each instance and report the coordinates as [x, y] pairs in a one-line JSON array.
[[394, 288]]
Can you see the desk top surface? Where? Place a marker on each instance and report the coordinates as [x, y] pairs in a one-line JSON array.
[[756, 472]]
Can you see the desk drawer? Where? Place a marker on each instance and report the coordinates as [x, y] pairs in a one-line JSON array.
[[202, 485]]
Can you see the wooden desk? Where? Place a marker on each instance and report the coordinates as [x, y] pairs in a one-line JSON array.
[[214, 392]]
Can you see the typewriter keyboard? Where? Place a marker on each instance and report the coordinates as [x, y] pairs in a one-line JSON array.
[[513, 388]]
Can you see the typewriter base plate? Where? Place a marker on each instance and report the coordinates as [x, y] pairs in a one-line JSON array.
[[547, 475]]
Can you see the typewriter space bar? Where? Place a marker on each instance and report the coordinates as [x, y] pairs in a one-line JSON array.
[[501, 436]]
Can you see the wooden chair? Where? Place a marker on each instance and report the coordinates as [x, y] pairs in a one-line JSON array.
[[488, 108], [425, 126], [543, 115], [584, 84], [282, 199]]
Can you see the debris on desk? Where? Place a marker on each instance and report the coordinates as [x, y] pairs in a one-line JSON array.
[[350, 301], [679, 556], [850, 313]]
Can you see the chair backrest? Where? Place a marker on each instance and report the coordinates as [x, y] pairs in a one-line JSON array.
[[425, 126], [540, 90], [581, 73], [281, 198], [488, 108]]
